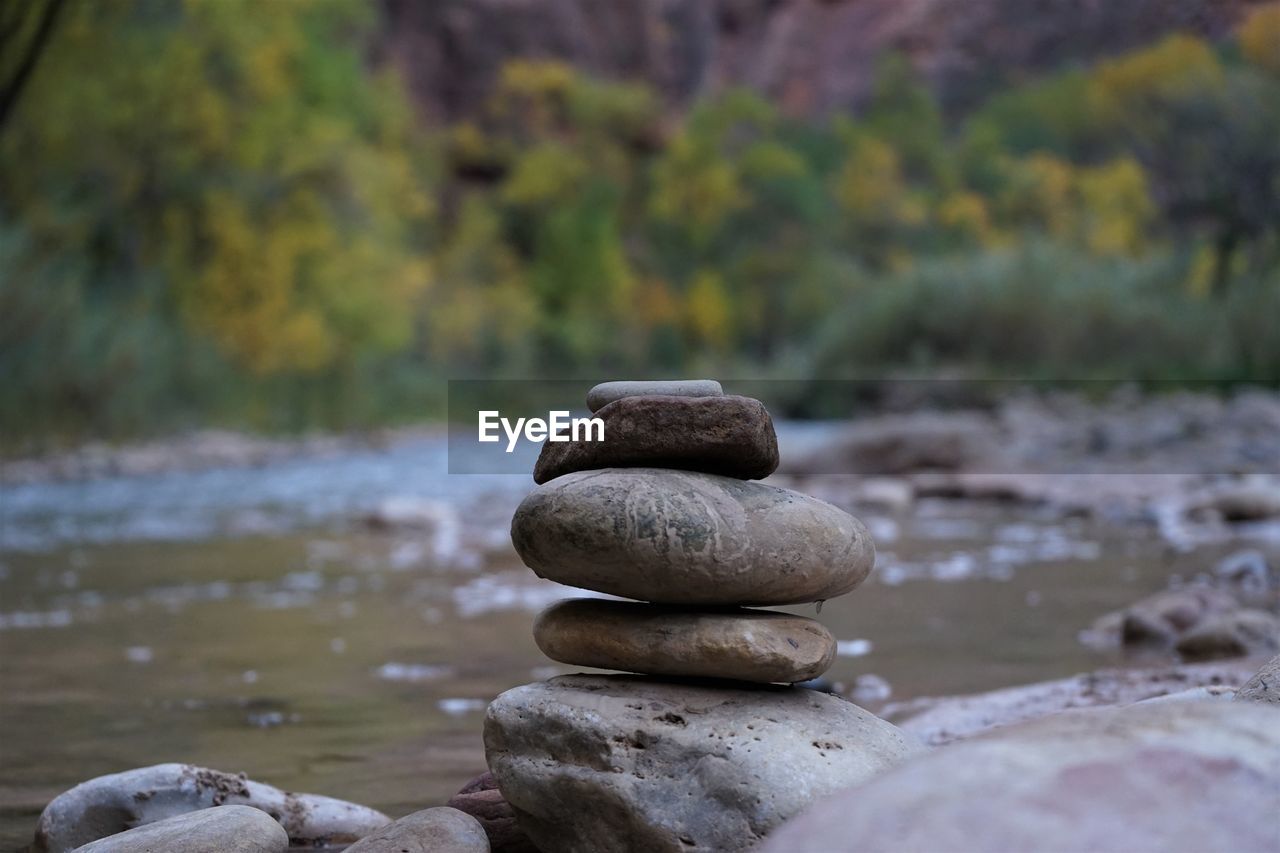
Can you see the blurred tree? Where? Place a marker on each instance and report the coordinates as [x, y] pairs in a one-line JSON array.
[[25, 28], [240, 150], [903, 111], [1259, 37], [1206, 136], [1053, 115], [578, 147], [740, 219], [881, 211], [208, 200], [480, 311]]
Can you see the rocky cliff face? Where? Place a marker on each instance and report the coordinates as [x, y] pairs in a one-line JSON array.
[[810, 56]]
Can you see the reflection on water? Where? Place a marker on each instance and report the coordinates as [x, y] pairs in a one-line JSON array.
[[351, 647]]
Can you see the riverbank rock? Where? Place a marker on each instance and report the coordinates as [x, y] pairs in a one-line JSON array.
[[481, 799], [1249, 570], [904, 444], [731, 436], [1166, 776], [632, 764], [1253, 499], [111, 804], [1232, 635], [941, 720], [1264, 686], [427, 831], [678, 537], [609, 392], [229, 829], [750, 645], [1158, 620]]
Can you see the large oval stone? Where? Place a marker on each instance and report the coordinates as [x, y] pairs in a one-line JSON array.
[[626, 763], [732, 436], [607, 392], [677, 537], [748, 645]]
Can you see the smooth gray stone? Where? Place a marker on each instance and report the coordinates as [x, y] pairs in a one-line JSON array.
[[678, 537], [763, 646], [225, 829], [427, 831], [1190, 776], [627, 763], [111, 804], [606, 392]]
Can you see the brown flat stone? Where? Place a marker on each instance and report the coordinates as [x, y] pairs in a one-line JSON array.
[[748, 645], [731, 436]]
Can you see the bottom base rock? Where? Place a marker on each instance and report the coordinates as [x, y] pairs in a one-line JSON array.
[[593, 762]]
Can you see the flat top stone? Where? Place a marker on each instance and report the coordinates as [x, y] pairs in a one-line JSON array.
[[224, 829], [749, 645], [727, 435], [607, 392]]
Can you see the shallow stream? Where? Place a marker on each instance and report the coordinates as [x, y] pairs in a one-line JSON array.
[[337, 624]]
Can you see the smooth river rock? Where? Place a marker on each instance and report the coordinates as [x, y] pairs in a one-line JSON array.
[[427, 831], [227, 829], [1264, 686], [749, 645], [732, 436], [677, 537], [607, 392], [1156, 776], [624, 763], [111, 804]]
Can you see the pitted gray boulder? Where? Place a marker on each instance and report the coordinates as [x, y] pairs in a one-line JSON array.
[[677, 537], [624, 763]]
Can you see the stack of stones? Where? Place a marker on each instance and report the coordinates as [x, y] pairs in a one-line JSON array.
[[705, 749]]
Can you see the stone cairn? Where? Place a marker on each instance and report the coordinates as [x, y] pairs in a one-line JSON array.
[[705, 746]]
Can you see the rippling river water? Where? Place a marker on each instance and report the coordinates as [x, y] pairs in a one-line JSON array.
[[338, 624]]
